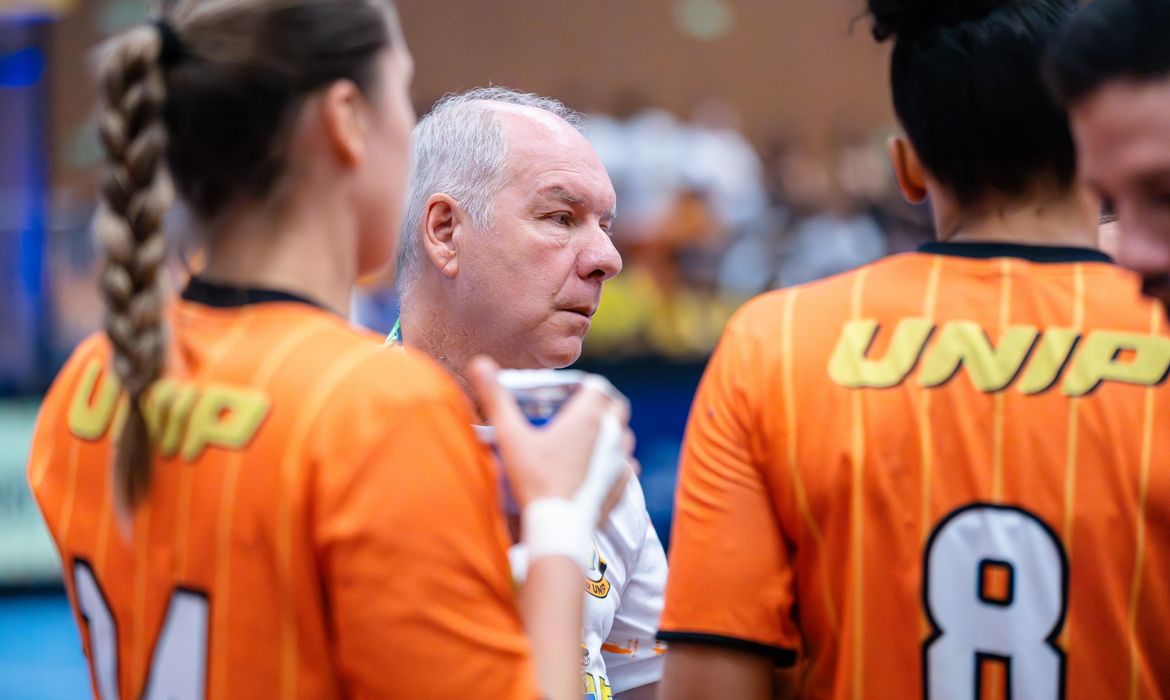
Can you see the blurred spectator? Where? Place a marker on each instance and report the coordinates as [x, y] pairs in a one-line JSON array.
[[830, 243], [704, 223]]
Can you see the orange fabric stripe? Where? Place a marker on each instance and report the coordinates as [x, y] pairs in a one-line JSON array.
[[186, 479], [220, 611], [105, 525], [789, 389], [925, 430], [70, 489], [1071, 443], [787, 362], [140, 651], [289, 466], [272, 362], [1140, 538], [1005, 300], [926, 434], [218, 351], [857, 507]]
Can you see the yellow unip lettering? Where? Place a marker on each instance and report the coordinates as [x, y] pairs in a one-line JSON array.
[[168, 406], [1048, 360], [849, 366], [180, 411], [226, 417], [965, 344], [156, 405], [1099, 360], [92, 409]]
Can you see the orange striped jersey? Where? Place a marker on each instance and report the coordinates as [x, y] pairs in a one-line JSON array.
[[322, 522], [942, 475]]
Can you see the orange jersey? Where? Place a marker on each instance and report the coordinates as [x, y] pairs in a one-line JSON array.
[[942, 475], [322, 522]]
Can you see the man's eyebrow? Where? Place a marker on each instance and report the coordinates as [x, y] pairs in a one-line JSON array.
[[561, 194]]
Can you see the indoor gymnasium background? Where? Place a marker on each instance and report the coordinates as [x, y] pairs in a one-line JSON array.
[[745, 139]]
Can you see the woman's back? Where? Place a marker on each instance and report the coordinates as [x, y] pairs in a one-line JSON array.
[[316, 507]]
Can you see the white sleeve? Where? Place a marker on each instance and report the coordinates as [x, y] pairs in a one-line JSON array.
[[636, 622]]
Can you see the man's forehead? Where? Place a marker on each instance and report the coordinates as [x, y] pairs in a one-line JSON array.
[[526, 119], [548, 157]]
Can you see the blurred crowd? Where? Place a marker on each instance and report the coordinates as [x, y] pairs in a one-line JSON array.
[[707, 220]]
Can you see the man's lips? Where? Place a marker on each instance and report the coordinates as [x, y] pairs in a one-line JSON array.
[[586, 311]]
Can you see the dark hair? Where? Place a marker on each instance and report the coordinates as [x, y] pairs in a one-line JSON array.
[[1110, 40], [212, 89], [966, 81]]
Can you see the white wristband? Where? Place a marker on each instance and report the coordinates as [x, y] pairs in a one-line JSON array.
[[553, 527]]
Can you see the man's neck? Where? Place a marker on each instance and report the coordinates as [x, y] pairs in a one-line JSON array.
[[427, 328]]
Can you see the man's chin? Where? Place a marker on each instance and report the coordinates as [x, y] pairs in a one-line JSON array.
[[561, 355]]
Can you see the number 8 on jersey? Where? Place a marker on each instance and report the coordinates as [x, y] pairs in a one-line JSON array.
[[1015, 622]]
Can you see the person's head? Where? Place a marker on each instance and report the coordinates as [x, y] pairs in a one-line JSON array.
[[242, 105], [506, 228], [1111, 68], [967, 89]]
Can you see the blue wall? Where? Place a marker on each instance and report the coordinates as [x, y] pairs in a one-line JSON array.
[[24, 186]]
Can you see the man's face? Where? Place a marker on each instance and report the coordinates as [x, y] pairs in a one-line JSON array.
[[529, 286], [1123, 142]]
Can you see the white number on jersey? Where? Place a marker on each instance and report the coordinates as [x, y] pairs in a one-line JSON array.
[[178, 670], [1014, 623]]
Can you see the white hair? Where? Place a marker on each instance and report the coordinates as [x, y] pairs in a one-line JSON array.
[[460, 149]]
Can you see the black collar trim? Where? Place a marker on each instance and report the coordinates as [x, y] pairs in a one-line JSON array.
[[226, 296], [1033, 253]]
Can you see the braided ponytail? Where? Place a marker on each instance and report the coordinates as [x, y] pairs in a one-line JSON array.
[[243, 63], [135, 192]]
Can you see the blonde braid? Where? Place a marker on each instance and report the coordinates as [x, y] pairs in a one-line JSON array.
[[135, 195]]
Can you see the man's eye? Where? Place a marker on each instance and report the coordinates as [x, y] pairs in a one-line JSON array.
[[562, 218]]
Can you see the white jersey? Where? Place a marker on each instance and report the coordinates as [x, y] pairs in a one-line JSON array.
[[623, 601]]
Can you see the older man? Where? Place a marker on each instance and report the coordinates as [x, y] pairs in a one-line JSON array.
[[505, 247]]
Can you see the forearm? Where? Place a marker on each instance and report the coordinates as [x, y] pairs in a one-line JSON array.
[[644, 692], [698, 672], [550, 603]]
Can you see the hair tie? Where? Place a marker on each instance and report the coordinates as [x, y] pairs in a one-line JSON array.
[[172, 50]]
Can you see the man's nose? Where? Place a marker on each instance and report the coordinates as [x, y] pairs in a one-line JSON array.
[[599, 260]]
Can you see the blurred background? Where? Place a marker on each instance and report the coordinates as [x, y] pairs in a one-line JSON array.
[[745, 138]]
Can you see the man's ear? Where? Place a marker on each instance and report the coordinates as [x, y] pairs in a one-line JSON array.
[[343, 112], [442, 216], [908, 169]]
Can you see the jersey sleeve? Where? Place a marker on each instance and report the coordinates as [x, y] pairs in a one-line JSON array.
[[731, 579], [638, 615], [412, 552]]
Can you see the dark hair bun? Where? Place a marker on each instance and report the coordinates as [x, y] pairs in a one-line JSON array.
[[893, 18]]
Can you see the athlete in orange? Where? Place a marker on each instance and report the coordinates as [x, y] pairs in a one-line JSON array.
[[938, 475], [252, 499]]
